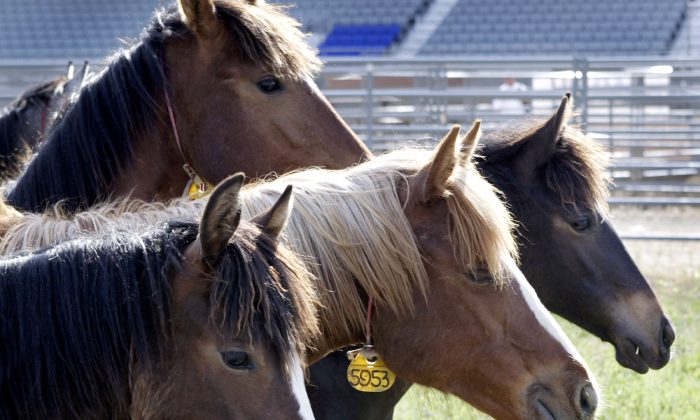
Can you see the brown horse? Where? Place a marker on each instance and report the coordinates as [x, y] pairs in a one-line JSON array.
[[222, 86], [427, 238], [170, 321]]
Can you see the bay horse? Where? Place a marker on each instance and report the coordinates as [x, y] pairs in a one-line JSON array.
[[178, 320], [428, 240], [554, 179], [221, 86], [26, 120]]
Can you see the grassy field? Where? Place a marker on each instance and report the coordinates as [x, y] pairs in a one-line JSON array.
[[671, 393]]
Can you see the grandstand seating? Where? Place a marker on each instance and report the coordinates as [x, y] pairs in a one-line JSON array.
[[360, 39], [74, 29], [358, 27], [91, 29], [564, 27], [322, 15]]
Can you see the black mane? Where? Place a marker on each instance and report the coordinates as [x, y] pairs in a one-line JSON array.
[[73, 316], [92, 143]]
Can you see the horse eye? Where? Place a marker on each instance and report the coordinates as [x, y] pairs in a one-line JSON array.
[[269, 85], [238, 360], [581, 224], [480, 275]]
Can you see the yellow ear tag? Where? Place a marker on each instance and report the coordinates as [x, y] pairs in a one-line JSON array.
[[198, 188], [367, 371]]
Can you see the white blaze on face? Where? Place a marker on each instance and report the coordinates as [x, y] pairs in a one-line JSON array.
[[299, 389], [313, 86], [544, 317]]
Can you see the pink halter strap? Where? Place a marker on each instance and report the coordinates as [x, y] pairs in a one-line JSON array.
[[171, 114]]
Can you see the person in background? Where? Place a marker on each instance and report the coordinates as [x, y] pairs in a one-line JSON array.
[[510, 105]]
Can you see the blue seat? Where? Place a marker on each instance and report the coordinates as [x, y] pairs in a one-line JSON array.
[[359, 39]]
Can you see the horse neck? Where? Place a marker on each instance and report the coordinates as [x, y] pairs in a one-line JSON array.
[[156, 171]]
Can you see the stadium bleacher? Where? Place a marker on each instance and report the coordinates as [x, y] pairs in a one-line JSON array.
[[358, 27], [80, 29], [558, 27], [70, 29]]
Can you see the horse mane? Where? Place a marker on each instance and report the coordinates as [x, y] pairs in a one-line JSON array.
[[576, 174], [91, 306], [351, 226], [26, 231], [91, 143], [100, 305], [269, 37]]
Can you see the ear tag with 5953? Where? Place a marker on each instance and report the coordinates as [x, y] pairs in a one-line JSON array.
[[367, 371]]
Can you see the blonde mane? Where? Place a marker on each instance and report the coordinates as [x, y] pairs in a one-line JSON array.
[[351, 226], [348, 225]]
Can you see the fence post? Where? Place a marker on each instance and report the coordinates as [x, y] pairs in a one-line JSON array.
[[580, 87], [369, 104]]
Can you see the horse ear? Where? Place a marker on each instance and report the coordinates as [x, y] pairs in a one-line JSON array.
[[442, 165], [469, 143], [543, 143], [200, 17], [70, 70], [220, 218], [275, 219], [76, 82]]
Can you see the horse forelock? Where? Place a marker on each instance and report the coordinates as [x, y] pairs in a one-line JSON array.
[[264, 32], [576, 174], [270, 38], [481, 226], [351, 226], [262, 290]]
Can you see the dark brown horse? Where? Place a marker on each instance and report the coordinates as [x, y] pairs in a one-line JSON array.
[[26, 120], [223, 86], [175, 320], [554, 179]]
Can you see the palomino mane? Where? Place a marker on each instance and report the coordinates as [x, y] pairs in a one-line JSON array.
[[91, 143], [351, 225], [99, 304], [576, 174]]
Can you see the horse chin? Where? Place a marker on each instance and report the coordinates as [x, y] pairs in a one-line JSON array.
[[638, 358]]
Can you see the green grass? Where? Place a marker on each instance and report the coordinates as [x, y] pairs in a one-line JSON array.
[[670, 393]]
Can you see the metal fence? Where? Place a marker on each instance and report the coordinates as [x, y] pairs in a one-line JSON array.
[[645, 110]]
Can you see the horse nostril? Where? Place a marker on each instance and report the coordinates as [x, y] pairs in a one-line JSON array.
[[588, 401], [668, 336]]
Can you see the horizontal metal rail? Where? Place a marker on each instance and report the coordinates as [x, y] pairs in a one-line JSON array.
[[660, 237]]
